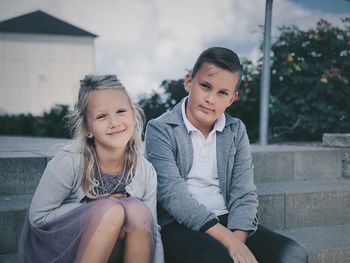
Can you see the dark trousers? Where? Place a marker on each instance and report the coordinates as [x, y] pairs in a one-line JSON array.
[[182, 245]]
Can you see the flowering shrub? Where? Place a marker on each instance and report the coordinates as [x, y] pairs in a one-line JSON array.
[[310, 89], [310, 92]]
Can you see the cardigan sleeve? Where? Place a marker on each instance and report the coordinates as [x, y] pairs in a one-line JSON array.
[[150, 200], [243, 201], [51, 198]]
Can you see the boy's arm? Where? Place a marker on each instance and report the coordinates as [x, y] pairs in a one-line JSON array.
[[172, 189], [243, 201]]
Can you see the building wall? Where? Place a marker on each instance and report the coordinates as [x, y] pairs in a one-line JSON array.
[[39, 71]]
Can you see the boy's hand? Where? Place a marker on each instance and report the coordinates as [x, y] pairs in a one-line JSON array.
[[234, 242], [239, 252]]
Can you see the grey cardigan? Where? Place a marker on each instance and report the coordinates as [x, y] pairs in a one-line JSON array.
[[169, 149], [60, 191]]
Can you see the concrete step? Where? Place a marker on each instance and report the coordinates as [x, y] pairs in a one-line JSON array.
[[8, 258], [23, 160], [12, 213], [282, 205], [285, 205], [20, 172], [325, 244], [296, 163]]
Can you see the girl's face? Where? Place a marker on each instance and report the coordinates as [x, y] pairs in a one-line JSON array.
[[110, 119]]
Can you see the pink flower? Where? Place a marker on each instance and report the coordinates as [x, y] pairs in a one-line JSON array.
[[333, 72]]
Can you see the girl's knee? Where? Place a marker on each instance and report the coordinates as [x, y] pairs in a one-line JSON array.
[[114, 215], [137, 208], [138, 215]]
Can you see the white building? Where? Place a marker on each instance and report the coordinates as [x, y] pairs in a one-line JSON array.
[[42, 59]]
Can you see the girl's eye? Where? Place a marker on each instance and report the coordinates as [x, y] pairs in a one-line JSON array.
[[121, 111], [100, 116], [223, 93]]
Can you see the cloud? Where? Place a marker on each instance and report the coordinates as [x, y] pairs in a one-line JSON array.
[[147, 41]]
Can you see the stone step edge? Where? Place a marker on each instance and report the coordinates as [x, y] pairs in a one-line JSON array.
[[304, 186], [21, 202], [323, 243], [8, 258]]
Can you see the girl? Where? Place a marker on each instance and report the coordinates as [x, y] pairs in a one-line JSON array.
[[96, 200]]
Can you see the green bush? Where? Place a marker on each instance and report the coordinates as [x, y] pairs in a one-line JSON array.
[[310, 93], [50, 124], [310, 90]]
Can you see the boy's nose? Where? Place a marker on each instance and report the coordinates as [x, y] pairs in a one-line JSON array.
[[210, 98]]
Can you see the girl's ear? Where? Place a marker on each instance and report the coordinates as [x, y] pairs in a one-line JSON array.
[[89, 135]]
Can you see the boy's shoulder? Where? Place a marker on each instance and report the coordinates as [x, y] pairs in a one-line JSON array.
[[234, 123], [173, 116]]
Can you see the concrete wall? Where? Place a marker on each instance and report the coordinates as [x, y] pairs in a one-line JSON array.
[[39, 71]]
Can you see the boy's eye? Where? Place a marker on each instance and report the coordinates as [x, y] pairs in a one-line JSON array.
[[223, 93], [205, 85]]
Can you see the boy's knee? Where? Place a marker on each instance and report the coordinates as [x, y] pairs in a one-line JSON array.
[[293, 252]]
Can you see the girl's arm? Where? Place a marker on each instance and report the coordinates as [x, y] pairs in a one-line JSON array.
[[51, 196], [150, 200]]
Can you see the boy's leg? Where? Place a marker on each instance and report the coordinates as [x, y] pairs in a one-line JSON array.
[[185, 245], [271, 247]]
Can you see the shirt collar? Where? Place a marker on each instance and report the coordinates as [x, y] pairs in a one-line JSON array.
[[218, 126]]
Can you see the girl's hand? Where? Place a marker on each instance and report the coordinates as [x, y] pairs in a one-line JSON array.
[[119, 195]]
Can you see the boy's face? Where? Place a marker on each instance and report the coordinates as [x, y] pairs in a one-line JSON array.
[[211, 91]]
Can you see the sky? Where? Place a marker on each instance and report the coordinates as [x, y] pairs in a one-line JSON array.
[[147, 41]]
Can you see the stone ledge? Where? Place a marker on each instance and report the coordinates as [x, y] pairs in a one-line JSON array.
[[336, 140]]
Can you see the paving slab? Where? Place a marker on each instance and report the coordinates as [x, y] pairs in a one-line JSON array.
[[8, 258], [274, 163], [336, 139], [325, 244], [12, 213], [304, 203]]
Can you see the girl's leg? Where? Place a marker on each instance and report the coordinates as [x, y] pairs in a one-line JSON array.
[[139, 239], [104, 235]]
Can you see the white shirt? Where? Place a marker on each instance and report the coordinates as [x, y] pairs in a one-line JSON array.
[[202, 180]]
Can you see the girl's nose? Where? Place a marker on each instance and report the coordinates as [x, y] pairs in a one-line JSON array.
[[114, 122]]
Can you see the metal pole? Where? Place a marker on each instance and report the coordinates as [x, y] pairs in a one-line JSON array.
[[265, 77]]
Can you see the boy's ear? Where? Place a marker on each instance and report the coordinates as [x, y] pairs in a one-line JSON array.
[[234, 97], [187, 82]]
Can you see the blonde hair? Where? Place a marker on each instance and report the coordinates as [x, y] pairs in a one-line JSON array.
[[78, 123]]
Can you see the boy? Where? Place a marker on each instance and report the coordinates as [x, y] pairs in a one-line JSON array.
[[206, 194]]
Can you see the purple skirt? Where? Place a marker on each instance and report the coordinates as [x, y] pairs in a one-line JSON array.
[[65, 238]]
